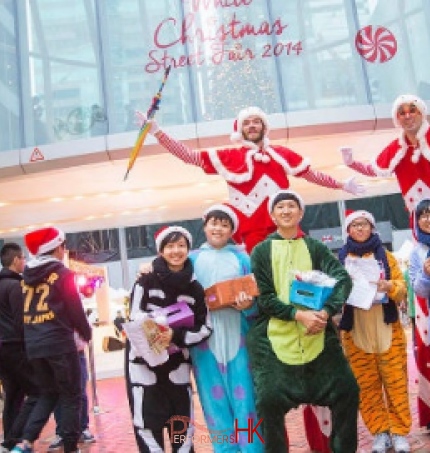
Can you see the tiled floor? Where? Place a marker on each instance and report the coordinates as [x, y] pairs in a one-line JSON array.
[[111, 423]]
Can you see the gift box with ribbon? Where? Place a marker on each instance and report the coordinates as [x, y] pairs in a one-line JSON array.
[[223, 294]]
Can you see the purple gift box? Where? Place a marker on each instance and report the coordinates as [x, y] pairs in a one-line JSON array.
[[177, 315]]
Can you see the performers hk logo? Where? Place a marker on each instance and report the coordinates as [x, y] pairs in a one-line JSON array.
[[183, 430]]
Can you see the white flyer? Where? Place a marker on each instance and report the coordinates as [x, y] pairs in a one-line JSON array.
[[365, 274]]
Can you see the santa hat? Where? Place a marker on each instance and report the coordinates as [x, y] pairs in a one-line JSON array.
[[44, 240], [281, 195], [163, 232], [237, 136], [226, 210], [354, 215], [408, 99]]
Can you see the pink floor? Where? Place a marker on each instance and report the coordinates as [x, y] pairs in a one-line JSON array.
[[112, 424]]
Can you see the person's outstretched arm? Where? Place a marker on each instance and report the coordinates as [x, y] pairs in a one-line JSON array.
[[348, 160], [178, 149], [322, 179]]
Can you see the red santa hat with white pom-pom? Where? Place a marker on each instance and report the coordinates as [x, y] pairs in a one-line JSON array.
[[354, 215], [163, 232], [44, 240]]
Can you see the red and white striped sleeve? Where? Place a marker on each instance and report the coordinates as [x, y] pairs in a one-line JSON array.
[[178, 149], [321, 179], [364, 169]]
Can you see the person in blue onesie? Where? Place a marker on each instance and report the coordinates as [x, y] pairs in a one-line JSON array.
[[220, 363]]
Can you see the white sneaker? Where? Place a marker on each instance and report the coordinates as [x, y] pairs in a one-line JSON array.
[[400, 443], [56, 443], [87, 437], [381, 443]]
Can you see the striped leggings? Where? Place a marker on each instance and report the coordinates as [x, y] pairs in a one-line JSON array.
[[383, 382]]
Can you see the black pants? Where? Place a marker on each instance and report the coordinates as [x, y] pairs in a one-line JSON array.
[[60, 383], [162, 403], [84, 418], [20, 389]]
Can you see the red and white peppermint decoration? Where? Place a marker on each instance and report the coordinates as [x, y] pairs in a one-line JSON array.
[[376, 44]]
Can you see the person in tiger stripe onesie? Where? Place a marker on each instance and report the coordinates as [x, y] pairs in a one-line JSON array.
[[419, 274], [373, 337]]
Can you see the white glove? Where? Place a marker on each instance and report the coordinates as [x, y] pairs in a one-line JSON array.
[[351, 186], [141, 119], [346, 151]]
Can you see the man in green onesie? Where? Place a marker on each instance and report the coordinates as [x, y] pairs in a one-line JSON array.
[[295, 353]]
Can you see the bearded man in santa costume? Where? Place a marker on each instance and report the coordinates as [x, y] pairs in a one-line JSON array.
[[253, 172], [408, 157]]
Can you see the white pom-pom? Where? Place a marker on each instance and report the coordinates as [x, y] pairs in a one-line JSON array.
[[236, 137], [416, 155]]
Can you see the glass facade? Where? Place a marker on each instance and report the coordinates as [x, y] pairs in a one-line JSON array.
[[75, 70]]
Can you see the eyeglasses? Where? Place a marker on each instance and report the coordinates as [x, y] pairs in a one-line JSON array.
[[425, 216], [356, 225]]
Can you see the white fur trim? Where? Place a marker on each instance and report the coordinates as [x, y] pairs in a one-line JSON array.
[[386, 172], [285, 165], [51, 245], [407, 99], [423, 150], [231, 176], [421, 136], [238, 178], [172, 229], [227, 210]]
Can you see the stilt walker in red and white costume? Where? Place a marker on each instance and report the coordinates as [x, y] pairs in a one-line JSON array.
[[253, 172], [419, 270], [408, 157]]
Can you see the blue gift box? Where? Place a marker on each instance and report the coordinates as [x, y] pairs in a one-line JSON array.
[[309, 295]]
